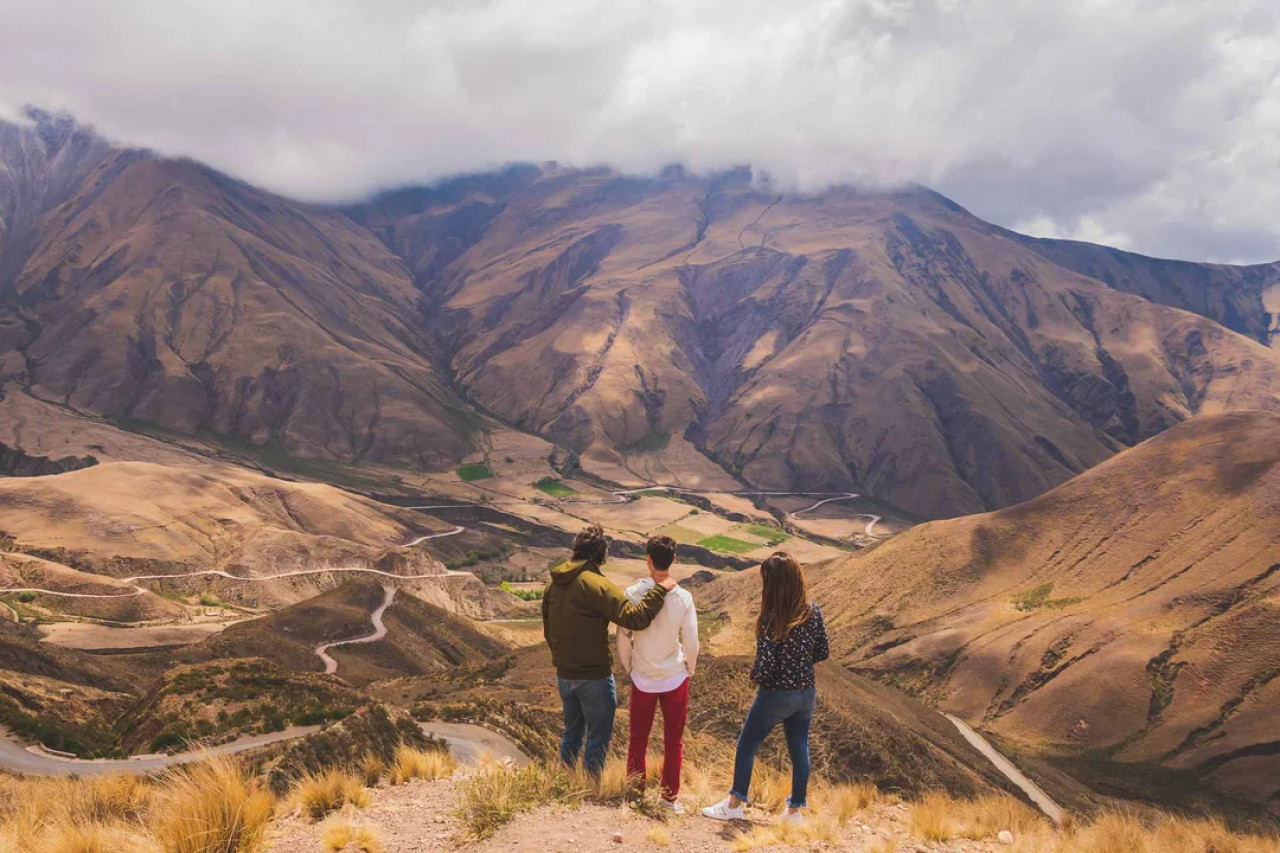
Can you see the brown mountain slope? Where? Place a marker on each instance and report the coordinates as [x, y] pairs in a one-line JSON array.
[[672, 328], [1245, 299], [421, 638], [1131, 612], [159, 291], [886, 342], [199, 516]]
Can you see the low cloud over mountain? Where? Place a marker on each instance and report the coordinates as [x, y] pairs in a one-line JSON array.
[[1144, 125]]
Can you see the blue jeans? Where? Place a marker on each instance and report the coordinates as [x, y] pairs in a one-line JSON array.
[[792, 708], [588, 706]]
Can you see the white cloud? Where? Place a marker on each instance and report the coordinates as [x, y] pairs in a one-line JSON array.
[[1150, 121]]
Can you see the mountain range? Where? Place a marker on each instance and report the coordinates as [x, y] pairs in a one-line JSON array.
[[676, 327]]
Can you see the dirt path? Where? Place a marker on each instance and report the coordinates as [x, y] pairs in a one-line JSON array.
[[1013, 774], [139, 590], [467, 743], [379, 631], [35, 761], [621, 495]]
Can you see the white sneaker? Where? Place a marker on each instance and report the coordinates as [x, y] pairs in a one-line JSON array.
[[723, 811], [672, 806], [795, 818]]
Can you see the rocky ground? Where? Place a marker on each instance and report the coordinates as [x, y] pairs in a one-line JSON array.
[[419, 818]]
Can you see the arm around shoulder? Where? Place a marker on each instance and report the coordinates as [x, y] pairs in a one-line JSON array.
[[612, 603], [689, 636]]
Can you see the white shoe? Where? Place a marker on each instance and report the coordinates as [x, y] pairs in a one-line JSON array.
[[794, 817], [672, 806], [723, 811]]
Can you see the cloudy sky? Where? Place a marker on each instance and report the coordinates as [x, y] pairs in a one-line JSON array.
[[1153, 125]]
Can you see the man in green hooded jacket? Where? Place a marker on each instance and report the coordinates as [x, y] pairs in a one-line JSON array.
[[577, 607]]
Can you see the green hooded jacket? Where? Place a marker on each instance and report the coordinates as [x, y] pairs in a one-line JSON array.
[[577, 607]]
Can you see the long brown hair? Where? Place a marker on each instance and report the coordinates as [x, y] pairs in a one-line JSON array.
[[784, 602]]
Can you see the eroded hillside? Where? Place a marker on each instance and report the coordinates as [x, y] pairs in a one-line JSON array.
[[1128, 614]]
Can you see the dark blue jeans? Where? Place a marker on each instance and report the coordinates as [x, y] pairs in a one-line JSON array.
[[588, 707], [792, 708]]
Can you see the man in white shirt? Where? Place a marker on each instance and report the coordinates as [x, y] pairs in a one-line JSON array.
[[660, 660]]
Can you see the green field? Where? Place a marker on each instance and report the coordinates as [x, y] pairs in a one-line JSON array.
[[727, 544], [772, 535], [682, 535], [554, 487], [474, 471], [661, 493]]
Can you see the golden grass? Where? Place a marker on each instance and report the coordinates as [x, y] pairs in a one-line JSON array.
[[659, 836], [344, 836], [843, 801], [372, 768], [212, 807], [94, 838], [817, 830], [320, 793], [494, 795], [428, 764], [939, 817]]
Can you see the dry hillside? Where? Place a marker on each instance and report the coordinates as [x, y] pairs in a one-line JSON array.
[[1130, 614], [673, 328], [133, 518], [421, 638], [882, 341]]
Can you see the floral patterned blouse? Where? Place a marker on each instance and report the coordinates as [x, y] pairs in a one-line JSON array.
[[789, 665]]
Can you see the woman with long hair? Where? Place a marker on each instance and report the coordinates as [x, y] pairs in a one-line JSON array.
[[790, 639]]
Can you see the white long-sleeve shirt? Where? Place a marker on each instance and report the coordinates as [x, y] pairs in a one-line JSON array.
[[662, 656]]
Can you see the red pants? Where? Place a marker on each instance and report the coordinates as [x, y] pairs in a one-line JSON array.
[[675, 705]]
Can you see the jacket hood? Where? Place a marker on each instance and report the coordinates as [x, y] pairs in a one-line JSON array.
[[570, 569]]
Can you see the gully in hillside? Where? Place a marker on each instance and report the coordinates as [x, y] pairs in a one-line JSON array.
[[577, 607], [790, 638], [660, 660]]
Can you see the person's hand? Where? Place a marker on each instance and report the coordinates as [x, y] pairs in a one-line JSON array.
[[668, 584]]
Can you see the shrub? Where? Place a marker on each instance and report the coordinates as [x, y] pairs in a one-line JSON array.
[[372, 768], [494, 795], [345, 836], [321, 793], [842, 802], [428, 764], [213, 807]]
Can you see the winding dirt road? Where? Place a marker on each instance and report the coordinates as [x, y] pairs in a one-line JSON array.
[[379, 631], [139, 590], [467, 743], [621, 496]]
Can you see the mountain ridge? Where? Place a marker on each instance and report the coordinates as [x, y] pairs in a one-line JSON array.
[[677, 328]]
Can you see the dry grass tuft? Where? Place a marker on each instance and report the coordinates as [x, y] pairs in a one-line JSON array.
[[933, 818], [842, 802], [494, 795], [659, 836], [320, 793], [94, 838], [815, 831], [939, 817], [428, 764], [345, 836], [770, 787], [372, 769], [212, 807]]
